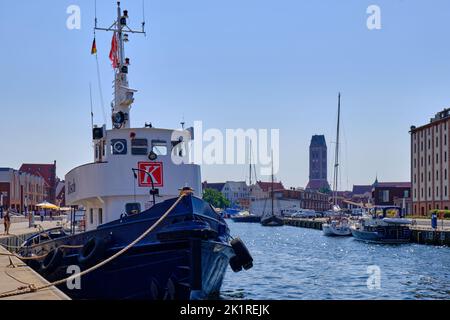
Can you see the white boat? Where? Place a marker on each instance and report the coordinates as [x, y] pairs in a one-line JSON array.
[[338, 225], [337, 228]]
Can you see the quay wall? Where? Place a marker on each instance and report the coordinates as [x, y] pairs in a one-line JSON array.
[[418, 235]]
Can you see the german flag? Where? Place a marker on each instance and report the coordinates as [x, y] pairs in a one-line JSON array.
[[94, 48]]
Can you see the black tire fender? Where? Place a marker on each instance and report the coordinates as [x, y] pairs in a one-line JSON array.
[[52, 261], [242, 253], [235, 264], [92, 252]]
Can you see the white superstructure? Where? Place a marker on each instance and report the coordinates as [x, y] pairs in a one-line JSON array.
[[129, 162]]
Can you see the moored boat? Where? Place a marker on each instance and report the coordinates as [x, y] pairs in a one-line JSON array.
[[171, 245], [378, 228], [246, 217], [272, 221], [337, 227], [337, 224], [270, 218]]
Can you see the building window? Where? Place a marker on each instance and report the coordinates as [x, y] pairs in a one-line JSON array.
[[91, 216], [385, 195], [445, 191], [100, 216]]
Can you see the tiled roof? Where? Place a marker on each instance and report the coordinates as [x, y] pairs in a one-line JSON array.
[[393, 185], [362, 189], [214, 186], [318, 141], [318, 184], [267, 186], [46, 171]]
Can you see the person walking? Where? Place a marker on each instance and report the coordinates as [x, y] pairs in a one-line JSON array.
[[7, 222]]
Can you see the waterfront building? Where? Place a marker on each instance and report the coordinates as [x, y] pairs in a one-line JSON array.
[[392, 194], [20, 191], [430, 164], [214, 186], [237, 192], [318, 179], [48, 173], [262, 190], [292, 199]]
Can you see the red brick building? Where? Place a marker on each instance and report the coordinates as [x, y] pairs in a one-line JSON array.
[[430, 164], [48, 173], [20, 191], [385, 193]]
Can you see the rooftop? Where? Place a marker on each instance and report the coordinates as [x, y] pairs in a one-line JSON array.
[[318, 141]]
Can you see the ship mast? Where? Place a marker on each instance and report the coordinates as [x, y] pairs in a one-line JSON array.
[[123, 95], [336, 162]]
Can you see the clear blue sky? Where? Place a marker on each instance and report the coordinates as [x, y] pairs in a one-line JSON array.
[[232, 64]]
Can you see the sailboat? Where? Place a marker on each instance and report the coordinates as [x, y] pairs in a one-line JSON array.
[[337, 225], [271, 219], [247, 216]]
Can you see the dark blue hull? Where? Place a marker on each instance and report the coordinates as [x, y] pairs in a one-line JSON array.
[[246, 219], [185, 258], [400, 237], [272, 221]]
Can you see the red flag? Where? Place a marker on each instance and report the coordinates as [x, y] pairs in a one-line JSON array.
[[114, 53]]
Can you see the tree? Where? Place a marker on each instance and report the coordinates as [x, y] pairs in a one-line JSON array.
[[216, 198]]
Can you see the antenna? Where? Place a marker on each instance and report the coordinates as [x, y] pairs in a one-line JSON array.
[[95, 12], [123, 95], [182, 123], [92, 110], [143, 16]]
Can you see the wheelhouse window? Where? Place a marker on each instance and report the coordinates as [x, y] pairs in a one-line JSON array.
[[100, 216], [159, 147], [91, 216], [139, 147]]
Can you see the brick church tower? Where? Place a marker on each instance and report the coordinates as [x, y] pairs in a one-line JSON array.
[[318, 164]]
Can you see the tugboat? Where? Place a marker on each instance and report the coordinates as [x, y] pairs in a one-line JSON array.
[[167, 245], [378, 228]]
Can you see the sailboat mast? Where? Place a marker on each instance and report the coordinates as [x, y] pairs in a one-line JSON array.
[[250, 165], [272, 183], [336, 161]]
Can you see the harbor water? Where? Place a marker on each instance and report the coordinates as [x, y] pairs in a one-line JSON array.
[[301, 264]]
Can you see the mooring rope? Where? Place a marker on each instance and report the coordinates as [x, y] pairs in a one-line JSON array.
[[33, 288]]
